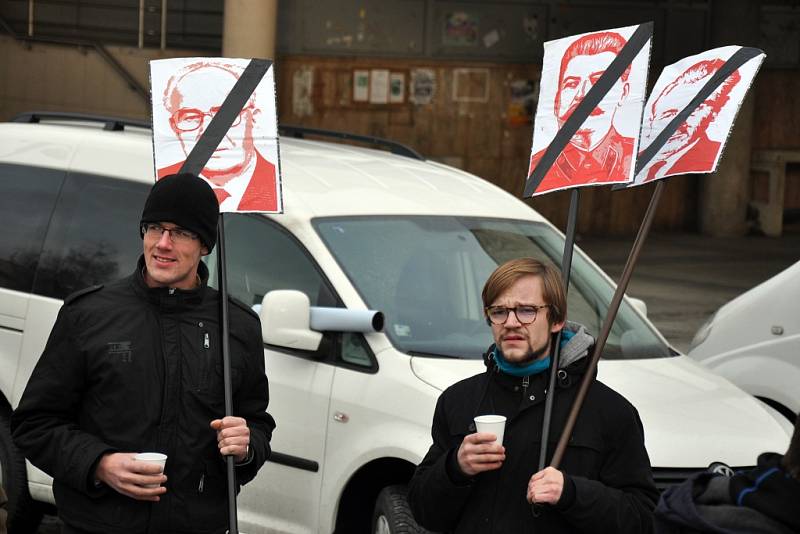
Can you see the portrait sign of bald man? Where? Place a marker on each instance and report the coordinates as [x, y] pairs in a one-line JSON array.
[[599, 152], [696, 145], [242, 171]]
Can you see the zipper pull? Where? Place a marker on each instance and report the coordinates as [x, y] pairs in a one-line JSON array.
[[526, 381], [202, 481], [206, 344]]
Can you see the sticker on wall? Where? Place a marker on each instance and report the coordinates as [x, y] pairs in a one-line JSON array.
[[523, 102], [460, 29]]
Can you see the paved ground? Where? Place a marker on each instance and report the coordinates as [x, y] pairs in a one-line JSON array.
[[683, 278]]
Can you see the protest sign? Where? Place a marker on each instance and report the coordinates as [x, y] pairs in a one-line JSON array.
[[691, 110], [592, 91], [243, 167]]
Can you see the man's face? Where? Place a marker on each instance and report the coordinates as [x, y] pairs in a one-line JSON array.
[[521, 343], [580, 75], [171, 262], [195, 101], [664, 109]]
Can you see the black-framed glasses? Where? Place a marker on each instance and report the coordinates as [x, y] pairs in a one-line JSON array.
[[525, 313], [176, 233], [191, 119]]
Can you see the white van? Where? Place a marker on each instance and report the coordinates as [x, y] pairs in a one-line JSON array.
[[754, 341], [363, 229]]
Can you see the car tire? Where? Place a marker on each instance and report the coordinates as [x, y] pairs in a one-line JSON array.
[[392, 514], [24, 514]]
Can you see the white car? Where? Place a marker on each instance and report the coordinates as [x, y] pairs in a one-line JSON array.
[[754, 341], [362, 229]]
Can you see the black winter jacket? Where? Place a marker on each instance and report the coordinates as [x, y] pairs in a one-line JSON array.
[[129, 368], [608, 484]]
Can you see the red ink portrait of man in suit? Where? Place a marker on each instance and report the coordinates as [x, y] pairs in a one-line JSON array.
[[689, 149], [597, 152], [242, 178]]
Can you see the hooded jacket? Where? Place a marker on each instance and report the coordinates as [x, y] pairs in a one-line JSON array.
[[608, 484], [128, 368], [764, 500]]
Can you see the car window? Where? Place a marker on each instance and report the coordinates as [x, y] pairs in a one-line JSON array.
[[261, 257], [426, 274], [27, 197], [94, 236]]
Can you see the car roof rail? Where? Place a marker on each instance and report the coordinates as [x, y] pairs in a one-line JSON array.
[[119, 123], [393, 146], [114, 124]]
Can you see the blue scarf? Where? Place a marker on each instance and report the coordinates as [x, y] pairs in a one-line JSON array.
[[533, 368]]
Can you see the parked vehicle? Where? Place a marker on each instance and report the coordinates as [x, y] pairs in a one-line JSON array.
[[754, 341], [362, 229]]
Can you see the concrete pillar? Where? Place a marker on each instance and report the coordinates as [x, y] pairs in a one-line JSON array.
[[249, 28], [724, 195]]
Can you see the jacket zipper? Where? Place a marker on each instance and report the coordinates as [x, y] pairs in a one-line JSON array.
[[202, 483]]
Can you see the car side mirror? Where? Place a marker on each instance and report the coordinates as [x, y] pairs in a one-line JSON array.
[[639, 305], [288, 320], [285, 320]]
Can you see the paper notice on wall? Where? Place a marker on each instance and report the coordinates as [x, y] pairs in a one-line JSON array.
[[397, 88], [423, 86], [360, 86], [379, 86], [302, 85]]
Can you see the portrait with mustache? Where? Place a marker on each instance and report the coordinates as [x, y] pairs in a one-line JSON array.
[[597, 152]]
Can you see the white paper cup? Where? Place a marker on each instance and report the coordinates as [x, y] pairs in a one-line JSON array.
[[152, 458], [494, 424]]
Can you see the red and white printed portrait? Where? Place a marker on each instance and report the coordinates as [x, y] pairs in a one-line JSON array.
[[603, 148], [243, 170], [696, 145]]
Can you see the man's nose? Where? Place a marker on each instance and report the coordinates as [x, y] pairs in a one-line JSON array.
[[165, 241], [511, 320]]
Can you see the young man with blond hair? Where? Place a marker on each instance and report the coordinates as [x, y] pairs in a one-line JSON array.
[[468, 483]]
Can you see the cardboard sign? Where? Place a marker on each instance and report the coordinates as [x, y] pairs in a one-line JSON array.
[[691, 110], [591, 143], [241, 160]]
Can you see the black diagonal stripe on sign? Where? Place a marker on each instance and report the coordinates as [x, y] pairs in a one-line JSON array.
[[739, 58], [230, 109], [607, 80]]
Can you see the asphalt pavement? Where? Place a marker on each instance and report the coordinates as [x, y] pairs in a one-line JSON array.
[[684, 278]]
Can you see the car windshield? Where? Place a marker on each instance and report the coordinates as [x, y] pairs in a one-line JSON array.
[[426, 274]]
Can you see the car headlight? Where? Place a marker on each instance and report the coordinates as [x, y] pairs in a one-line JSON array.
[[702, 332]]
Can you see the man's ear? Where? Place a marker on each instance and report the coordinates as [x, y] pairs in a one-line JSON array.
[[204, 251], [555, 327]]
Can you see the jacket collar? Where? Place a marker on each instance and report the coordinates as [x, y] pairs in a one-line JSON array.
[[171, 299]]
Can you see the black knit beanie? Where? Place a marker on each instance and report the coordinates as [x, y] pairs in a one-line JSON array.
[[187, 201]]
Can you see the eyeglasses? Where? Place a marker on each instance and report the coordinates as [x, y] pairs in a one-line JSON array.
[[525, 314], [176, 233], [191, 119]]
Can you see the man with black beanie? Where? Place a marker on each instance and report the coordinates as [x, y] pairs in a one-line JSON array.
[[135, 366]]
